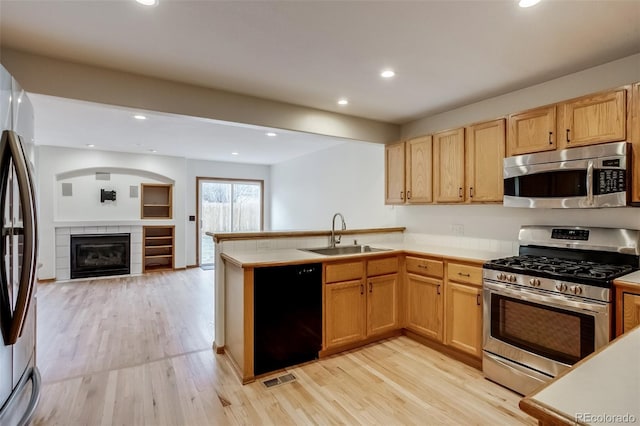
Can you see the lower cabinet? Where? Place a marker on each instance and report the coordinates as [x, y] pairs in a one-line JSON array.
[[362, 306], [425, 303], [627, 306], [463, 308]]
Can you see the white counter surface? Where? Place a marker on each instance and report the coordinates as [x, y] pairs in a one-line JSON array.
[[283, 256], [633, 277], [604, 388]]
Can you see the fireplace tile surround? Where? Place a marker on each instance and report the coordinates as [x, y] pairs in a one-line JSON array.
[[63, 246]]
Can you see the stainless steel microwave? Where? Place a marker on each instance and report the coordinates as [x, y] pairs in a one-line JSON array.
[[587, 177]]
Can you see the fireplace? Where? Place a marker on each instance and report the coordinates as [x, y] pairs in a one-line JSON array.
[[99, 255]]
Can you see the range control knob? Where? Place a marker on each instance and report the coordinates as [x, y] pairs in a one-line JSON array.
[[575, 289], [501, 276], [512, 278], [534, 282], [561, 287]]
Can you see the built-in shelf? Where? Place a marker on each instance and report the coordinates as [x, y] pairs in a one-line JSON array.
[[158, 248], [156, 201]]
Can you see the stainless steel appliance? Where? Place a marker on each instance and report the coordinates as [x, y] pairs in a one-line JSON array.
[[19, 377], [551, 305], [586, 177]]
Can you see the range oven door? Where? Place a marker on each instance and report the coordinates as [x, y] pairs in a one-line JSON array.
[[541, 331]]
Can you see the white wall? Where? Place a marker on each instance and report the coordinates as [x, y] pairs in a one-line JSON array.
[[347, 178], [82, 206], [213, 169]]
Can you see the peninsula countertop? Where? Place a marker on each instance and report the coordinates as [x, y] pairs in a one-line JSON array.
[[276, 257], [603, 388]]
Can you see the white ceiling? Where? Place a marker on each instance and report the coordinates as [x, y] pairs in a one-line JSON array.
[[446, 53]]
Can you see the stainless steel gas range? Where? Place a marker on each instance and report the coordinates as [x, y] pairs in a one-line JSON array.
[[551, 306]]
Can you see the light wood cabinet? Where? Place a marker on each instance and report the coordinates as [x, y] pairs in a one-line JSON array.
[[156, 201], [593, 119], [158, 248], [419, 170], [484, 155], [463, 308], [424, 306], [627, 306], [394, 174], [448, 166], [359, 306], [634, 138], [532, 131]]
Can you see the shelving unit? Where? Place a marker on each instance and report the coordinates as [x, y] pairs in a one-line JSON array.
[[158, 248], [156, 201]]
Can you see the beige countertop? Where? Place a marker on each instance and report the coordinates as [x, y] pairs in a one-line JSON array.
[[633, 278], [603, 388], [294, 256]]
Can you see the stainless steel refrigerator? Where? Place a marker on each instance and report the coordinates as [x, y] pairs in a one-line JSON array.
[[19, 376]]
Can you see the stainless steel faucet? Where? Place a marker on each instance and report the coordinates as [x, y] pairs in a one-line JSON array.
[[336, 240]]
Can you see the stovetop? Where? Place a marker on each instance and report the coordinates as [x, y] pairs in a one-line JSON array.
[[574, 270]]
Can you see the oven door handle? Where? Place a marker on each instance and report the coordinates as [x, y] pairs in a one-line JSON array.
[[558, 301]]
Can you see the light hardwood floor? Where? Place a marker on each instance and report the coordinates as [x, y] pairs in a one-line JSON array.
[[137, 351]]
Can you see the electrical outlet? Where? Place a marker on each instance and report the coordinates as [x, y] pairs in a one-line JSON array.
[[457, 230], [263, 245]]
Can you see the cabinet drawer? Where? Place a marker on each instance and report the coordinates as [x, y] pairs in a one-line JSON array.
[[464, 273], [422, 266], [335, 272], [388, 265]]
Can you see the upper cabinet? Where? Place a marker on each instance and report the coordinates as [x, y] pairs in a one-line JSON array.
[[419, 168], [634, 138], [394, 173], [448, 166], [484, 151], [593, 119], [532, 131]]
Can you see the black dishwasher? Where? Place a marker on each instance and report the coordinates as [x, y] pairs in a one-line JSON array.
[[287, 307]]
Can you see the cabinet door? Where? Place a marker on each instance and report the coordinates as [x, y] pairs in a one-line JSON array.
[[635, 140], [463, 318], [345, 313], [448, 166], [382, 304], [484, 152], [593, 119], [630, 311], [394, 174], [424, 306], [419, 170], [532, 131]]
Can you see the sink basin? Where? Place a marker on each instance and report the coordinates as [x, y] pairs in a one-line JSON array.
[[335, 251]]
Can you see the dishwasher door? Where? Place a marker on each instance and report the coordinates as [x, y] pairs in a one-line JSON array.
[[287, 316]]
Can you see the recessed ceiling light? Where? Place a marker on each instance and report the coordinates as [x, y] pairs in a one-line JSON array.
[[271, 134], [140, 117], [234, 153], [343, 102], [528, 3], [148, 2], [90, 145], [153, 150], [387, 74]]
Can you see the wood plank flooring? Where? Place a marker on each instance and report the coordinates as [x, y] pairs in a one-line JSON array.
[[137, 351]]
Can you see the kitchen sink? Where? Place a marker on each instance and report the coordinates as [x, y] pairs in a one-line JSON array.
[[336, 251]]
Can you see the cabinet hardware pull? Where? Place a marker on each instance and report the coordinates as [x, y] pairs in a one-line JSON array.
[[460, 192], [408, 195], [550, 141], [471, 192], [402, 195], [423, 266], [464, 275], [568, 140], [438, 289], [361, 289], [370, 287], [478, 299]]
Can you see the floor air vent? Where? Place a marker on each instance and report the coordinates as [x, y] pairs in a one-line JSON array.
[[279, 380]]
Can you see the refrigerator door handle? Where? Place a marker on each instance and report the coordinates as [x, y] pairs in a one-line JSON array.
[[32, 374], [11, 149]]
